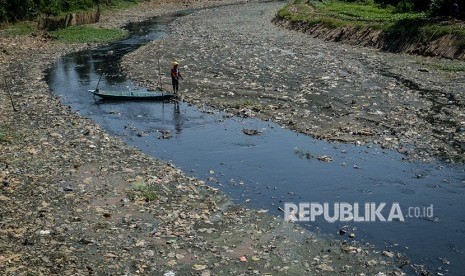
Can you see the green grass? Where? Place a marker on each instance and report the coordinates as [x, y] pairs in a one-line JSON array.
[[414, 26], [337, 13], [82, 34], [297, 11], [18, 29], [362, 12], [450, 66], [145, 191]]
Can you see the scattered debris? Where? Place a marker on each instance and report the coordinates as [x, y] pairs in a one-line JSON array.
[[324, 158], [251, 132], [165, 134], [378, 96], [185, 220], [388, 254]]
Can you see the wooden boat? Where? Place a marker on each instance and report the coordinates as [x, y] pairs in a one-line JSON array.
[[133, 95]]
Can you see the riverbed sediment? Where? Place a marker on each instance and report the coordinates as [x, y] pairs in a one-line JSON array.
[[236, 59], [76, 201]]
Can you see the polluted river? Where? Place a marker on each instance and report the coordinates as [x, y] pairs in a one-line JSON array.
[[277, 165]]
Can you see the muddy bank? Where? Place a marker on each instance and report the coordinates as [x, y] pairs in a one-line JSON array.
[[76, 201], [250, 67], [445, 46]]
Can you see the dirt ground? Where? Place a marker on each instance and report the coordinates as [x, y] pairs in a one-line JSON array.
[[236, 59], [76, 201]]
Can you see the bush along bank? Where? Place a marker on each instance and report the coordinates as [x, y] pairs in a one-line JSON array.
[[367, 24], [63, 21]]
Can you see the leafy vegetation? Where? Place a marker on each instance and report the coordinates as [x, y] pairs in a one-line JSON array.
[[121, 4], [395, 18], [339, 13], [363, 12], [297, 11], [74, 34], [79, 34], [145, 191], [18, 29], [17, 10], [424, 30]]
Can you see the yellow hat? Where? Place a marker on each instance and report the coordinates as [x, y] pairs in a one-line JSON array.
[[175, 63]]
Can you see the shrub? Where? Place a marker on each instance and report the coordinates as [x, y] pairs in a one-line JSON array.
[[16, 10], [453, 8]]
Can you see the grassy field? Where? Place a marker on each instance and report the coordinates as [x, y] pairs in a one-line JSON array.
[[336, 13], [74, 34], [365, 12], [18, 29]]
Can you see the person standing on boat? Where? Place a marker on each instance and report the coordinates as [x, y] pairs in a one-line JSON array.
[[175, 76]]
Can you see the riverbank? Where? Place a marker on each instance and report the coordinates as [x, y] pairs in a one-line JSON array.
[[76, 201], [250, 67], [372, 26]]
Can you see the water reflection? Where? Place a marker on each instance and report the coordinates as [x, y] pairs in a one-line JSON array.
[[177, 118]]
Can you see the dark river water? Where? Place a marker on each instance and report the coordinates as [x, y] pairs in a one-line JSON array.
[[278, 166]]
